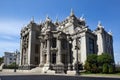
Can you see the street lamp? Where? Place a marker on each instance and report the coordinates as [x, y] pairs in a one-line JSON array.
[[77, 48], [15, 57]]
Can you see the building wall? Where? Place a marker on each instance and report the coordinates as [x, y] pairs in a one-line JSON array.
[[9, 58], [104, 41], [29, 44]]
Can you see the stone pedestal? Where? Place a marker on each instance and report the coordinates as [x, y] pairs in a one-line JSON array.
[[71, 72], [59, 68], [70, 67], [50, 72]]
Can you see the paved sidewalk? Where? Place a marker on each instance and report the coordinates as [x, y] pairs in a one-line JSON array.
[[84, 75]]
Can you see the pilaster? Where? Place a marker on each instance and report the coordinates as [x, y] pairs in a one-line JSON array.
[[48, 51], [59, 57], [29, 47], [41, 54], [21, 50]]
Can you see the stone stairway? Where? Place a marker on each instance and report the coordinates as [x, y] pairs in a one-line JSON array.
[[37, 69], [42, 70]]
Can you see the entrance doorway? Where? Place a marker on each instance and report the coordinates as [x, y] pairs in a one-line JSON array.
[[53, 58], [45, 58]]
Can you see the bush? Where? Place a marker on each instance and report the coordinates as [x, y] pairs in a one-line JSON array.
[[111, 69], [11, 66], [94, 68], [100, 69], [105, 68], [87, 66], [99, 63], [92, 58]]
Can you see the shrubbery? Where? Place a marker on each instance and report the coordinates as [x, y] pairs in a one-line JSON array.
[[99, 63], [111, 69], [105, 68], [11, 66]]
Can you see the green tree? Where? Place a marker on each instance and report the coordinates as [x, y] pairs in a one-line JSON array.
[[87, 66], [94, 68], [105, 68], [1, 60], [104, 58], [99, 63], [91, 63], [111, 69], [92, 58]]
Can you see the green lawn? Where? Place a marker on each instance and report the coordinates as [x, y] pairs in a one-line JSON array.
[[100, 74]]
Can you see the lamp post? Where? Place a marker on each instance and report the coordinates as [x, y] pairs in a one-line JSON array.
[[15, 57], [77, 48]]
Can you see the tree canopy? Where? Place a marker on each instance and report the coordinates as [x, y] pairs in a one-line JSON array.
[[99, 63]]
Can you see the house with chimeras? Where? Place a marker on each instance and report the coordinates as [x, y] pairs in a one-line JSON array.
[[58, 46]]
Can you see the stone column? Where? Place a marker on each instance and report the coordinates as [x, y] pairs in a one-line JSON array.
[[41, 54], [59, 60], [21, 51], [68, 56], [23, 56], [30, 47], [48, 51]]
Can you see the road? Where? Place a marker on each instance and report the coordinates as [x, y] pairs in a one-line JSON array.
[[51, 77]]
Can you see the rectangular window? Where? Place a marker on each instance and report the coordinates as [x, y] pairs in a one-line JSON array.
[[10, 58], [53, 42], [53, 58], [45, 43], [91, 45], [36, 60], [64, 43]]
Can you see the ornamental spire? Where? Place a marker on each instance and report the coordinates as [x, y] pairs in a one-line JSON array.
[[72, 12], [82, 18], [56, 19], [32, 19], [110, 32], [47, 18], [99, 24]]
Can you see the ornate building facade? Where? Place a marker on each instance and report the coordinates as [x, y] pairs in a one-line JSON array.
[[58, 45]]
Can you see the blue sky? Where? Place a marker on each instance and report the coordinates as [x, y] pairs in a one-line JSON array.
[[14, 14]]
